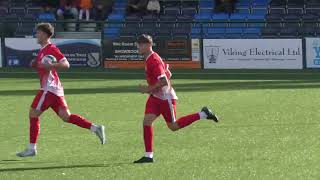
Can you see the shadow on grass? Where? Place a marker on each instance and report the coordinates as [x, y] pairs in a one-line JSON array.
[[191, 87], [62, 167], [177, 74]]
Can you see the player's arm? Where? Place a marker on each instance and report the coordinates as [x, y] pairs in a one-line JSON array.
[[163, 81], [62, 64]]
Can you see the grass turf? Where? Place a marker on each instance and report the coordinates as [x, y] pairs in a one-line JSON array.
[[269, 127]]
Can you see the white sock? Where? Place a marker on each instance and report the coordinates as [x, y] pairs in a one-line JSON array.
[[32, 146], [149, 154], [203, 115], [93, 128]]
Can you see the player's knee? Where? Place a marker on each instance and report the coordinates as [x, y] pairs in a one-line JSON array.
[[65, 118], [173, 126], [149, 119], [64, 115], [33, 113], [148, 122]]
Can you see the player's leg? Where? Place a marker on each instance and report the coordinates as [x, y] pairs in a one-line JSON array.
[[151, 113], [61, 108], [168, 110], [148, 138], [39, 105]]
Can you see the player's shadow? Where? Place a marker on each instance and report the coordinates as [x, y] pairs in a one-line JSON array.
[[188, 87], [17, 161], [63, 167]]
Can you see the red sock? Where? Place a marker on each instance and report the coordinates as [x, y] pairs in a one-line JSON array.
[[79, 121], [148, 138], [187, 120], [34, 130]]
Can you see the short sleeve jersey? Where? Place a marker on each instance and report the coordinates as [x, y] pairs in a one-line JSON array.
[[155, 69], [49, 80]]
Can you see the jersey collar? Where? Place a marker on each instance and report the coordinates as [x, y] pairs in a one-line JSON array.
[[45, 45], [149, 56]]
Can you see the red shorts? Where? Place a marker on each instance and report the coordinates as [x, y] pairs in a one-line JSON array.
[[167, 108], [44, 100]]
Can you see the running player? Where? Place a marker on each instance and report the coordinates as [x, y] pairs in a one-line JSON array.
[[162, 99], [51, 93]]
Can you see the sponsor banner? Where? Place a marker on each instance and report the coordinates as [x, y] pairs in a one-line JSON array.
[[79, 52], [252, 53], [123, 53], [195, 49], [140, 64], [313, 52]]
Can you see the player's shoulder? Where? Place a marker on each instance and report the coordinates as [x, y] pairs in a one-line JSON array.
[[52, 46], [154, 58]]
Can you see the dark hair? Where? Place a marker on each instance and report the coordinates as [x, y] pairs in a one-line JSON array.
[[144, 39], [47, 28]]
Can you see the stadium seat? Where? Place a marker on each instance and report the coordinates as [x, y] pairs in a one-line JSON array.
[[164, 33], [111, 32], [172, 11], [307, 32], [216, 32], [259, 10], [195, 33], [291, 17], [149, 25], [251, 33], [189, 11], [256, 20], [128, 32], [34, 10], [206, 10], [234, 33], [259, 3], [150, 31], [270, 33], [169, 18], [312, 4], [206, 3], [309, 17], [238, 20], [87, 27], [46, 17], [277, 10], [25, 29], [18, 11], [203, 17], [191, 4], [181, 32], [243, 10], [289, 32], [133, 18], [115, 17], [167, 25], [297, 11], [313, 10], [150, 17], [3, 11]]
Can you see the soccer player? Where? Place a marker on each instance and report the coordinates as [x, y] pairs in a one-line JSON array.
[[162, 99], [51, 93]]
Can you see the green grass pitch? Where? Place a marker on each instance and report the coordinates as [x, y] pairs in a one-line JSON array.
[[269, 129]]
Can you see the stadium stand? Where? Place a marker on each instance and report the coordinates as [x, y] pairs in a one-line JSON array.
[[179, 18]]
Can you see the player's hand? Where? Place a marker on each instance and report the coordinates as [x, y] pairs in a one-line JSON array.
[[33, 63], [143, 89], [47, 66]]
